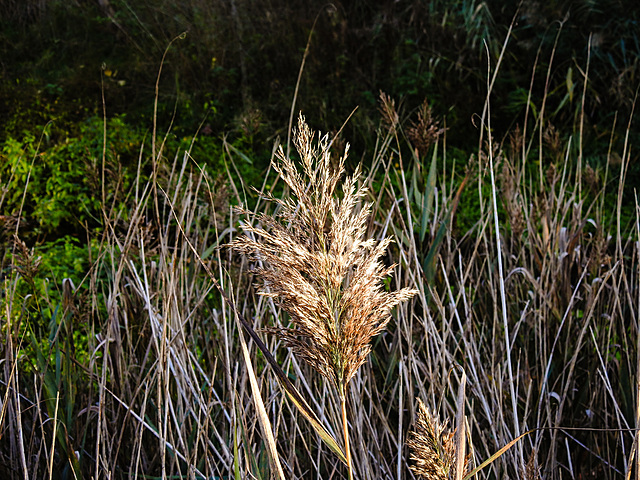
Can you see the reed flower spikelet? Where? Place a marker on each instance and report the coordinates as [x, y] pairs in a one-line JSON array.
[[316, 263], [432, 447]]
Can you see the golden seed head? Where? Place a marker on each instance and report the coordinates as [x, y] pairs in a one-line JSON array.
[[432, 447], [316, 263]]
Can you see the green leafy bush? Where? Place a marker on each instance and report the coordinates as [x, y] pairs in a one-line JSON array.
[[56, 180]]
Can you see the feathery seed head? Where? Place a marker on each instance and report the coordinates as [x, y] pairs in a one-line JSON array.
[[425, 131], [432, 447], [317, 264]]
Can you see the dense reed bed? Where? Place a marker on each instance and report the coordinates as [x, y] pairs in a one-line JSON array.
[[513, 279]]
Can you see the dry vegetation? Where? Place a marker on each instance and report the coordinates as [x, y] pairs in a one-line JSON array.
[[525, 321]]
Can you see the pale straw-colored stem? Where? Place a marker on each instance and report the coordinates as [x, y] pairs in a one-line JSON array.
[[345, 430]]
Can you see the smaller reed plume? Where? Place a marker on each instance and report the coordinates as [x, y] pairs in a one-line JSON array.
[[316, 263], [432, 447]]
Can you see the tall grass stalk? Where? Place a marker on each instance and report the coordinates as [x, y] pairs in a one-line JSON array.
[[316, 262]]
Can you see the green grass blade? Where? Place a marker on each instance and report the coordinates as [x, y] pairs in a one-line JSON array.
[[429, 194], [236, 459], [429, 264], [305, 409]]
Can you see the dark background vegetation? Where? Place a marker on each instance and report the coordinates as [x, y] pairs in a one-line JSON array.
[[233, 66], [76, 73]]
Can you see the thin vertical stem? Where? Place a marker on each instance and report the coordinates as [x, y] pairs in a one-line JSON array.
[[345, 430]]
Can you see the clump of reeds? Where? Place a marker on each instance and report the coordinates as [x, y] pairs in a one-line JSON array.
[[425, 130], [433, 447], [318, 265]]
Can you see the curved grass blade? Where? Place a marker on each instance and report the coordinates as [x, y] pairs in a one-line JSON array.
[[429, 263], [429, 194], [497, 455], [265, 423]]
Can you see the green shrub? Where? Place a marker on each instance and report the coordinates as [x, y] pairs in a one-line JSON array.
[[55, 177]]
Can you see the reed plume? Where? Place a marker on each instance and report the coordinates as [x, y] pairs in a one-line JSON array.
[[432, 447], [317, 264]]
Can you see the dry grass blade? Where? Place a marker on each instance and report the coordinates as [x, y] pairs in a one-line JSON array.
[[265, 424], [55, 426], [496, 455], [460, 438]]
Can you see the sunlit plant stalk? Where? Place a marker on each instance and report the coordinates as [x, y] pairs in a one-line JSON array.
[[317, 264]]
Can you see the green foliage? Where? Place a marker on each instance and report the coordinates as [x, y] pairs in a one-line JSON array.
[[244, 58], [56, 179], [56, 364], [47, 315]]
